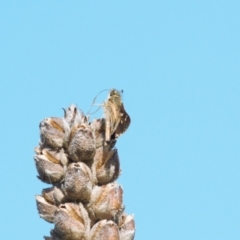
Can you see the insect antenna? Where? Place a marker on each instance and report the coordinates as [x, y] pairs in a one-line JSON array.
[[93, 103]]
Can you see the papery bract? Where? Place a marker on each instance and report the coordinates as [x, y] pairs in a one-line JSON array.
[[104, 230], [49, 172], [54, 132], [54, 195], [106, 202], [127, 227], [71, 222], [74, 116], [98, 128], [46, 210], [106, 165]]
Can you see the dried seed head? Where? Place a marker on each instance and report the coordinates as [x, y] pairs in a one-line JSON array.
[[45, 209], [49, 171], [74, 139], [127, 227], [106, 202], [104, 230], [54, 132], [71, 222], [81, 146], [106, 165], [78, 182], [74, 116]]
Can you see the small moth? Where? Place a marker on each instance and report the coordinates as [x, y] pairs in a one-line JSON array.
[[117, 119]]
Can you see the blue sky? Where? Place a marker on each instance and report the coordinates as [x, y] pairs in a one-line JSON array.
[[178, 64]]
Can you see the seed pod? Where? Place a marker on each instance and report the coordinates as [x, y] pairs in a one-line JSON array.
[[54, 195], [56, 156], [98, 128], [127, 227], [78, 182], [54, 132], [106, 165], [106, 202], [49, 171], [74, 116], [71, 222], [45, 209], [47, 193], [81, 146], [104, 230], [59, 196]]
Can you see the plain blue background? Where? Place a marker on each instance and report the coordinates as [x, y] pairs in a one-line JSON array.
[[178, 64]]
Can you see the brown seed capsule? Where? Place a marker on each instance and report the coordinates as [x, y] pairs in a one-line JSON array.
[[54, 195], [46, 210], [56, 156], [81, 146], [49, 172], [74, 116], [98, 128], [47, 193], [71, 222], [127, 227], [106, 165], [106, 202], [78, 182], [104, 230], [54, 132], [59, 196]]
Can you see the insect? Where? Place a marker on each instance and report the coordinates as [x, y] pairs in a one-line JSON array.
[[117, 119]]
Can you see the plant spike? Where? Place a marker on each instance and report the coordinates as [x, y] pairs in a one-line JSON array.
[[77, 157]]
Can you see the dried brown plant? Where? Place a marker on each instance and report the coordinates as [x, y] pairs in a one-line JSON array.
[[77, 157]]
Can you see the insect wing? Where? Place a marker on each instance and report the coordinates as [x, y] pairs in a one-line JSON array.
[[124, 122]]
